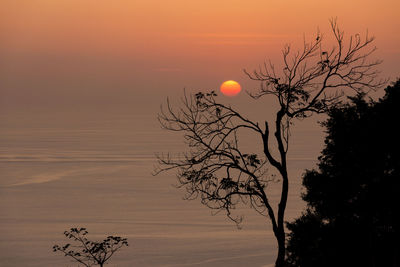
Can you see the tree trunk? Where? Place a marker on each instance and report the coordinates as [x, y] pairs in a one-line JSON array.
[[278, 225], [280, 236], [280, 259]]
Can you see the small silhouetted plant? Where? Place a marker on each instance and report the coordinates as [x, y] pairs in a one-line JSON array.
[[88, 252]]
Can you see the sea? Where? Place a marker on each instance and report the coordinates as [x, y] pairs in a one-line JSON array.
[[95, 169]]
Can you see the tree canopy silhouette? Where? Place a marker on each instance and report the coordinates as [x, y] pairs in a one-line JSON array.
[[353, 197], [218, 171]]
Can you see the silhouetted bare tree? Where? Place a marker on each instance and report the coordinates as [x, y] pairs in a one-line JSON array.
[[216, 169], [87, 252]]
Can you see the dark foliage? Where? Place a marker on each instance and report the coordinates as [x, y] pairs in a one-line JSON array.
[[353, 198], [87, 252]]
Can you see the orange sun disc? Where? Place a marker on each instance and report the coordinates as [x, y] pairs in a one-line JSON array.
[[230, 88]]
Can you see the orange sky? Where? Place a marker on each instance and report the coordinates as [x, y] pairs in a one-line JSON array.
[[103, 51]]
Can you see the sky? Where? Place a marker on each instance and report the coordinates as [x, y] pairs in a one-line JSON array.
[[65, 54], [92, 59]]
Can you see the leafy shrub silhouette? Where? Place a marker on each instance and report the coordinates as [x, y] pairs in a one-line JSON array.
[[353, 217], [88, 252]]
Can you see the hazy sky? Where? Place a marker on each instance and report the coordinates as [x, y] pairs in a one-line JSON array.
[[89, 58], [68, 53]]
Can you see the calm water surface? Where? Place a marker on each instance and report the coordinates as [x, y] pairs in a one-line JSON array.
[[94, 170]]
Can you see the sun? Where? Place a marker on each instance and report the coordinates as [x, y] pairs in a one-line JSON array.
[[230, 88]]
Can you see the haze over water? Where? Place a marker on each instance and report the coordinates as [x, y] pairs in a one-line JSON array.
[[81, 83], [94, 170]]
